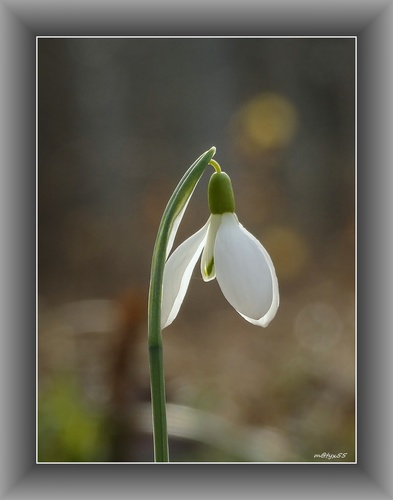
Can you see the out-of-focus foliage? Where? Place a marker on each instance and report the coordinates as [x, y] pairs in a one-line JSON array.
[[119, 122], [68, 429]]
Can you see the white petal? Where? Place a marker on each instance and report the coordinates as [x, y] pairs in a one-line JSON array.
[[207, 261], [245, 272], [177, 274], [175, 227]]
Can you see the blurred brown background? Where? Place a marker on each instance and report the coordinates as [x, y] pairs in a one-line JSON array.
[[120, 120]]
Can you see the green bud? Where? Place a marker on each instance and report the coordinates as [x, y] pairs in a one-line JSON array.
[[220, 194]]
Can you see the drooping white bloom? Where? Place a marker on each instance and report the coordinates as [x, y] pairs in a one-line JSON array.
[[232, 255]]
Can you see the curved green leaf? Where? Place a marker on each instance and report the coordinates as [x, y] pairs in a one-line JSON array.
[[166, 234]]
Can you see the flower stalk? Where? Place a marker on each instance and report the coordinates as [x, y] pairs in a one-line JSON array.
[[229, 253], [169, 224]]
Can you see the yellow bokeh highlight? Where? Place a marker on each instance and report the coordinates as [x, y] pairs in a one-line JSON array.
[[266, 122], [288, 249]]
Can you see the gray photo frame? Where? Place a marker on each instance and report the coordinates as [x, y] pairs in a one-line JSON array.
[[21, 23]]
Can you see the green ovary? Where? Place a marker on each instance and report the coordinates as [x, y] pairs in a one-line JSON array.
[[220, 194]]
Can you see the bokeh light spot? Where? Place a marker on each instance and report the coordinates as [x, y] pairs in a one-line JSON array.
[[266, 122]]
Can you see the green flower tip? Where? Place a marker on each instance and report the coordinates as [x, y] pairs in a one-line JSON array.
[[220, 194]]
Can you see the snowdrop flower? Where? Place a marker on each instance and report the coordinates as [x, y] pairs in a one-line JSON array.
[[232, 255]]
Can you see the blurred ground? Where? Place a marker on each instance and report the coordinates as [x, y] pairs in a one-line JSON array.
[[120, 120]]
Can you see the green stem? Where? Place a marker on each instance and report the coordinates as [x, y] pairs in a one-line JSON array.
[[158, 403], [215, 165], [172, 212]]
